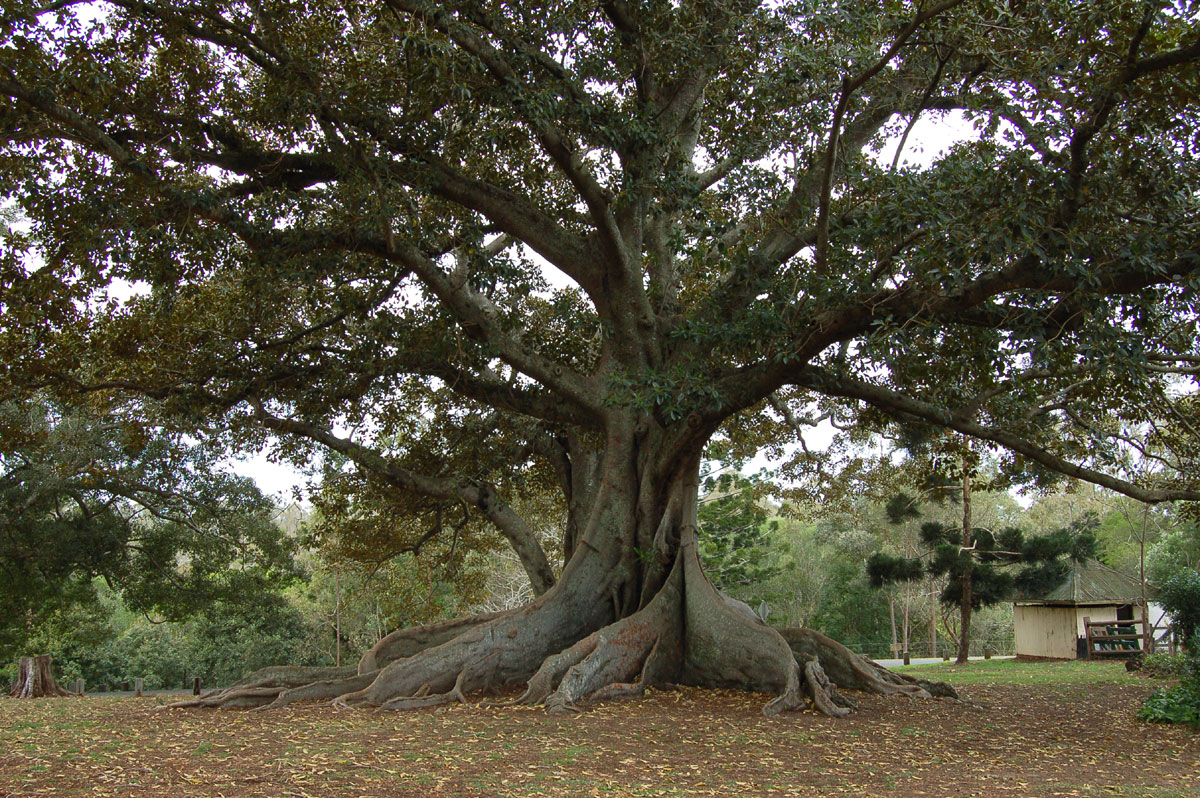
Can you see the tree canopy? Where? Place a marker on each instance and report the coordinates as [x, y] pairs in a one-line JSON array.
[[88, 494], [487, 250]]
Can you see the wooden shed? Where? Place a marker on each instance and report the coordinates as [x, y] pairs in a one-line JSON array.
[[1052, 626]]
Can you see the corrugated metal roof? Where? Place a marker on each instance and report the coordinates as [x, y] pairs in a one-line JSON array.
[[1091, 582]]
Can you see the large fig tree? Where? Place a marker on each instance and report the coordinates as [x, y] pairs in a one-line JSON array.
[[578, 241]]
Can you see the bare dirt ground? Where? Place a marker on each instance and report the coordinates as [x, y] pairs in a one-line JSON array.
[[1003, 740]]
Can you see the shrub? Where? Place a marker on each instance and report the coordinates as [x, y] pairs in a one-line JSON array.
[[1164, 666], [1180, 596], [1174, 705]]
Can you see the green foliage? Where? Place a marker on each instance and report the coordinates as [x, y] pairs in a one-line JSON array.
[[884, 569], [851, 611], [90, 492], [1179, 594], [735, 532], [329, 211], [1179, 704], [106, 644], [312, 197], [997, 564], [1178, 550], [109, 521], [1163, 665]]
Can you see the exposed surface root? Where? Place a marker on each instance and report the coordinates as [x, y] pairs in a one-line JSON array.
[[321, 691], [823, 694], [270, 685], [405, 643], [728, 646], [423, 697], [545, 681], [292, 676], [853, 672], [229, 698], [568, 649]]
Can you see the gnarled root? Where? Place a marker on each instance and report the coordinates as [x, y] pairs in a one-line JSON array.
[[568, 649], [726, 645], [322, 690], [545, 681], [623, 658], [824, 695], [278, 686], [269, 687], [405, 643], [853, 672], [423, 698]]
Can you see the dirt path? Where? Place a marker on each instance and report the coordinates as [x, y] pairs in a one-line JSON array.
[[1075, 740]]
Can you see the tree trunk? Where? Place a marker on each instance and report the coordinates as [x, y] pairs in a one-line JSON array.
[[892, 618], [35, 679], [964, 635], [933, 619], [1147, 629], [632, 609]]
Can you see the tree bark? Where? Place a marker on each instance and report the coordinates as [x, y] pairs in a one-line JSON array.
[[35, 679], [964, 635], [1147, 629]]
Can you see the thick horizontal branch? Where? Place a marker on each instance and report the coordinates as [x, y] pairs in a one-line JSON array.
[[908, 407]]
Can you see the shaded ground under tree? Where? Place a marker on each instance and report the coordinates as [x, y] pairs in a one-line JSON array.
[[1003, 740]]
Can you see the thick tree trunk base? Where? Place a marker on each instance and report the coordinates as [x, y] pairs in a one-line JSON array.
[[35, 679], [569, 650]]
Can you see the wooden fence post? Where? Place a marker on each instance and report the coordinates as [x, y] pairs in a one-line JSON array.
[[138, 685], [196, 686], [79, 686]]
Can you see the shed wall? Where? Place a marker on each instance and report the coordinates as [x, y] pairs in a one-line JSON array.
[[1046, 631]]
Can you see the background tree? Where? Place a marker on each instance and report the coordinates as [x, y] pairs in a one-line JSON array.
[[992, 568], [91, 492], [733, 532], [331, 211]]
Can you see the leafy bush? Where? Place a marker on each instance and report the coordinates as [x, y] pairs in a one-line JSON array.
[[1174, 705], [1164, 666], [1180, 596]]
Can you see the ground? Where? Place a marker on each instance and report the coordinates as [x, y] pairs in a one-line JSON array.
[[1023, 729]]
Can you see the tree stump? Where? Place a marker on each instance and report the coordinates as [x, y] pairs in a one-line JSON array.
[[35, 679]]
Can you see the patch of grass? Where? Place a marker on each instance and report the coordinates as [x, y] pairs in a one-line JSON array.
[[1016, 672], [566, 755]]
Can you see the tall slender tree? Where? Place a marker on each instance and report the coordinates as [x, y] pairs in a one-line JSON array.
[[462, 242]]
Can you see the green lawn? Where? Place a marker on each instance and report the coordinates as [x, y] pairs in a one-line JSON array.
[[1009, 671]]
